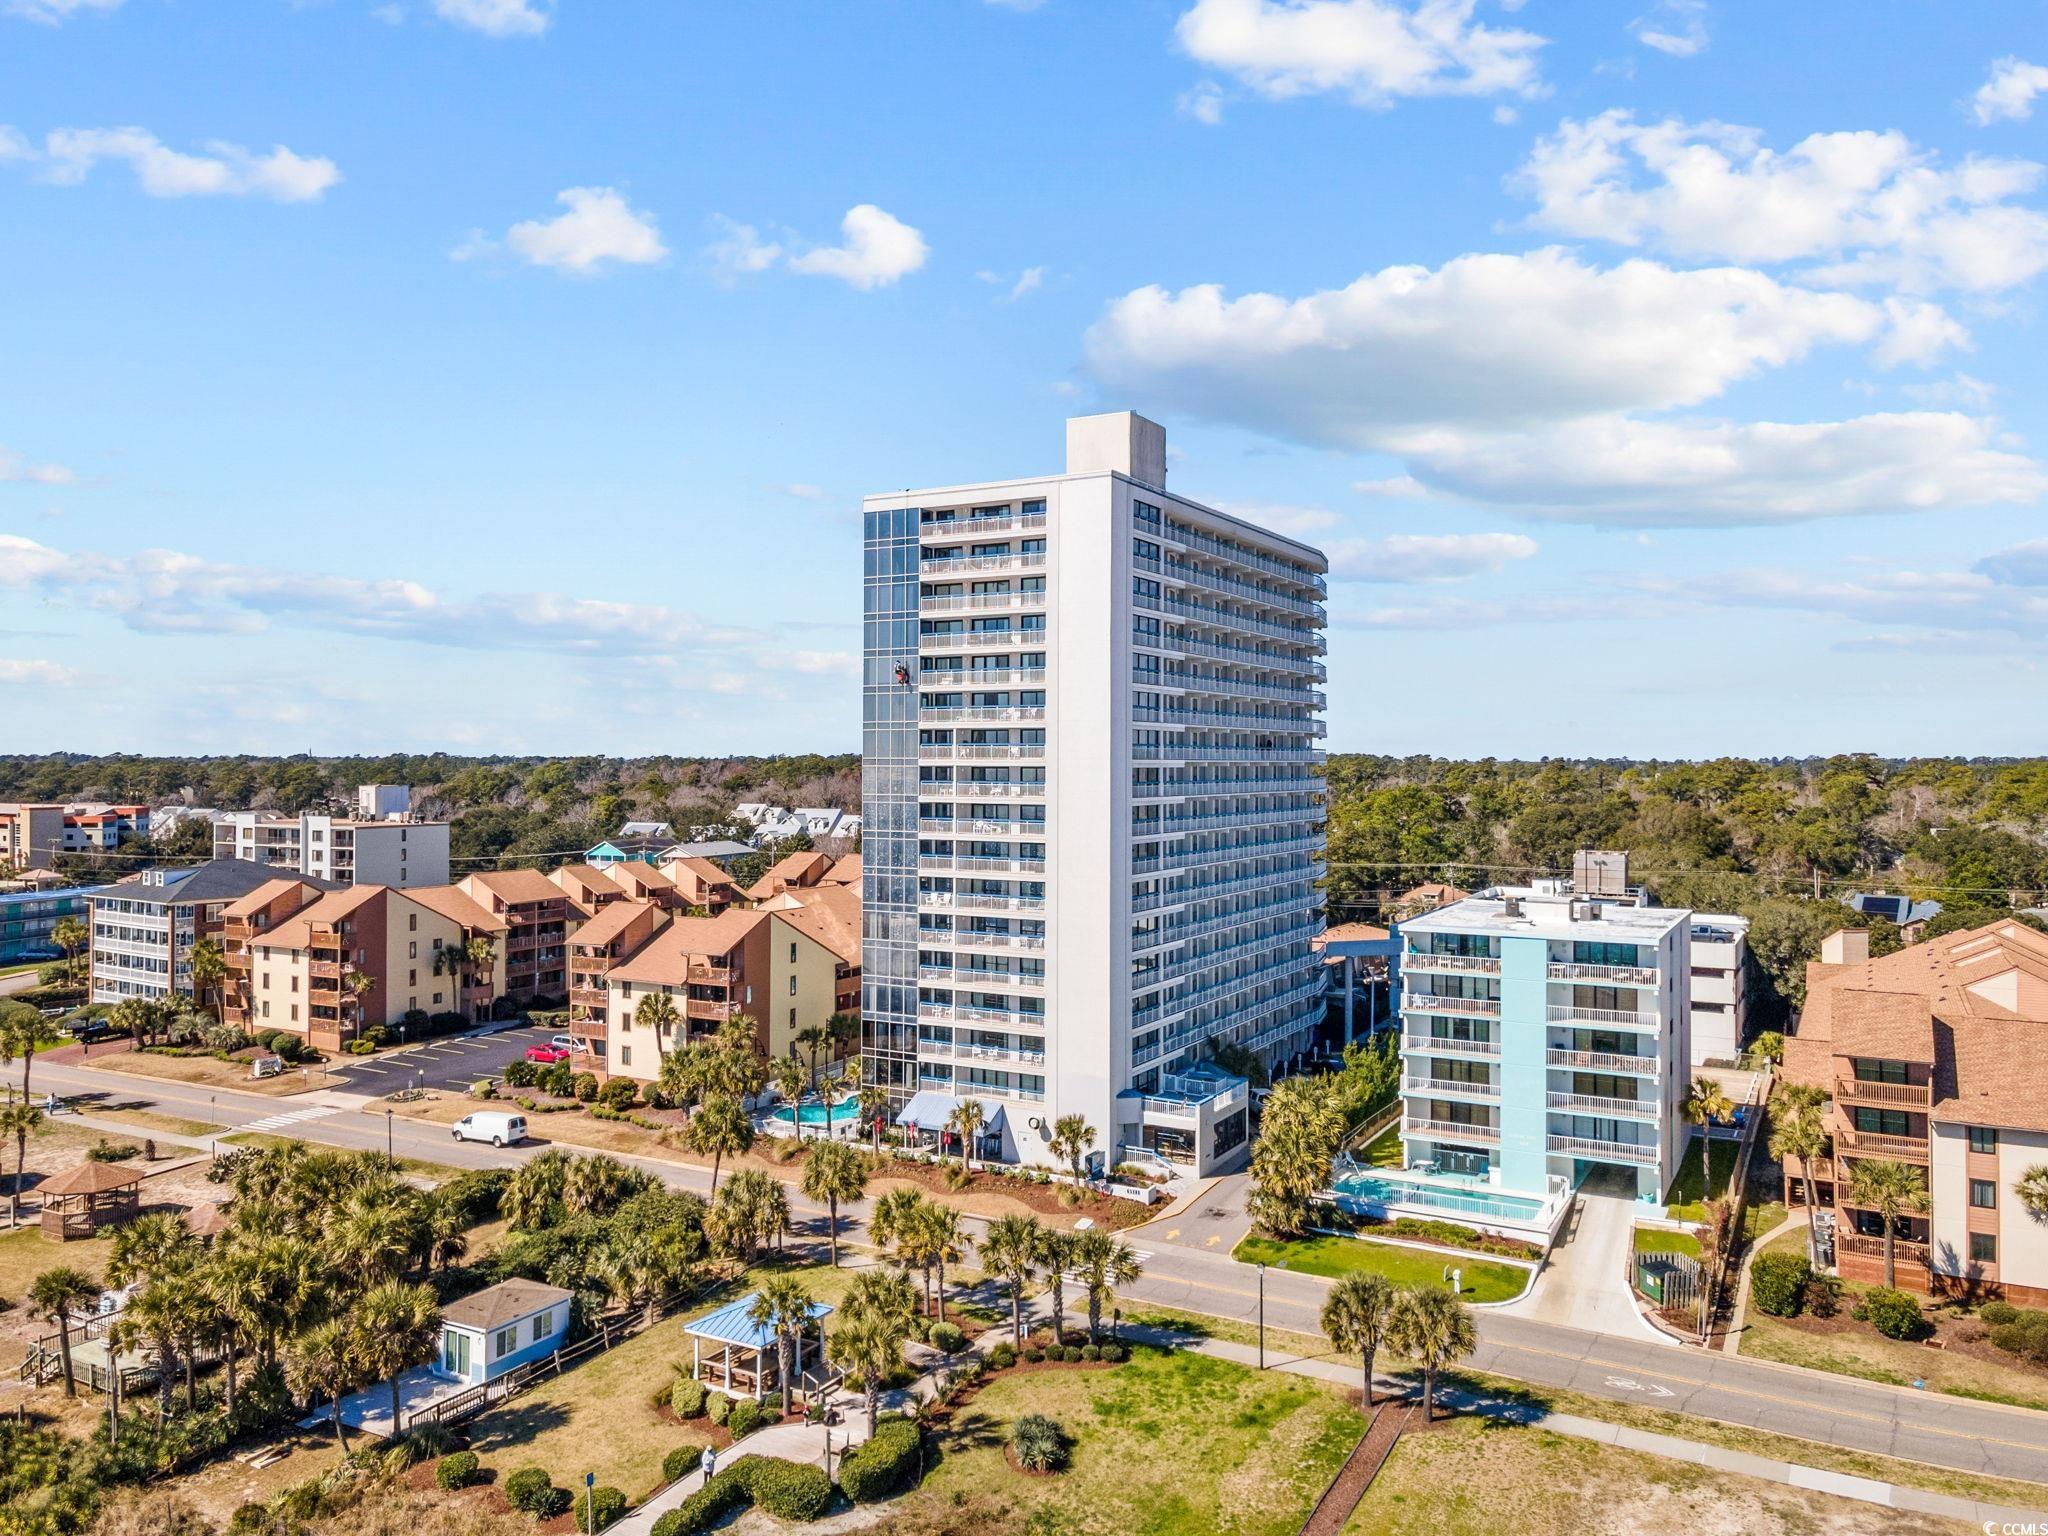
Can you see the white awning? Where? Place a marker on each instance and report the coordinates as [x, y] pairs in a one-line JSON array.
[[928, 1110]]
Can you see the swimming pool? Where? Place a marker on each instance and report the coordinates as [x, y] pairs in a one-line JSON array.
[[1372, 1193], [811, 1112]]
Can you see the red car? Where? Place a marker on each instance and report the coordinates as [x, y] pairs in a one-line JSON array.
[[546, 1055]]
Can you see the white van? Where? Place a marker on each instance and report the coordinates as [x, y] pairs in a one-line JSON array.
[[494, 1126]]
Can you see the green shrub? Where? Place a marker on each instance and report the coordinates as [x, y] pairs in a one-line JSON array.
[[686, 1397], [946, 1338], [104, 1151], [2025, 1336], [1035, 1355], [605, 1504], [786, 1489], [717, 1407], [670, 1524], [520, 1074], [1823, 1295], [1894, 1314], [584, 1086], [1091, 1352], [746, 1417], [882, 1465], [1995, 1314], [681, 1462], [524, 1487], [619, 1093], [550, 1502], [1777, 1283], [1002, 1357], [1071, 1354], [1115, 1354], [724, 1494], [1039, 1443], [249, 1520], [456, 1471], [557, 1080]]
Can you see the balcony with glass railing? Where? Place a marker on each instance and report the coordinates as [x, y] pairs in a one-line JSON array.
[[1467, 965], [980, 527], [950, 567], [1239, 554], [977, 901], [981, 602], [1414, 1001], [1443, 1045], [993, 640], [972, 714]]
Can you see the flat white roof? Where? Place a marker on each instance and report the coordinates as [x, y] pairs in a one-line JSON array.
[[1551, 917]]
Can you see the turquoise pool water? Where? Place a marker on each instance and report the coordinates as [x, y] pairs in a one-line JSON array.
[[1371, 1194], [814, 1113]]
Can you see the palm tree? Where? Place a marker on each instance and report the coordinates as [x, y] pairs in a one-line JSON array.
[[1012, 1247], [1705, 1104], [372, 1237], [446, 1237], [1799, 1132], [58, 1295], [1299, 1133], [156, 1251], [1072, 1137], [1356, 1316], [358, 985], [209, 967], [1102, 1263], [897, 1224], [657, 1011], [597, 1185], [966, 1122], [782, 1306], [392, 1329], [719, 1127], [1891, 1190], [834, 1172], [322, 1363], [874, 1107], [789, 1077], [19, 1121], [1434, 1329], [1056, 1258], [481, 953], [2032, 1189], [867, 1340], [137, 1016], [813, 1039], [70, 935], [25, 1033], [941, 1241], [535, 1190]]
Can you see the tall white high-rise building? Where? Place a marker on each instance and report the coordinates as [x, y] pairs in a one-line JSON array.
[[1093, 804]]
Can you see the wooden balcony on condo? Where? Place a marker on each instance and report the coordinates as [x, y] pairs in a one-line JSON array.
[[1918, 1097], [1853, 1143]]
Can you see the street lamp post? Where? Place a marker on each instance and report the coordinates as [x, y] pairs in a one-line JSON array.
[[1262, 1317], [387, 1138]]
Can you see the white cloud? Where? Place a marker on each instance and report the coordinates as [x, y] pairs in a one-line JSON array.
[[1295, 522], [68, 156], [1490, 342], [599, 227], [2009, 94], [1623, 472], [801, 489], [1030, 280], [1872, 205], [879, 250], [1961, 390], [390, 15], [45, 674], [497, 18], [1676, 27], [1411, 557], [1374, 51], [13, 467], [2023, 565], [1406, 486], [1202, 102], [52, 12], [739, 250]]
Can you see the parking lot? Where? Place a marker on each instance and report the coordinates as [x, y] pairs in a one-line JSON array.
[[451, 1063]]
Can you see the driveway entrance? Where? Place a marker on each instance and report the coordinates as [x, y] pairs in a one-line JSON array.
[[1585, 1283]]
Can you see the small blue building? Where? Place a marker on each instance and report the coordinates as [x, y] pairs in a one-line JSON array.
[[502, 1328], [27, 919]]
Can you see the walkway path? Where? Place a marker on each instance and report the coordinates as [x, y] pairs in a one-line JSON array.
[[1583, 1284]]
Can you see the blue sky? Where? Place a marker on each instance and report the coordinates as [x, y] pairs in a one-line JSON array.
[[1664, 379]]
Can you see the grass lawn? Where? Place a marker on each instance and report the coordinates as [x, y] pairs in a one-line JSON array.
[[26, 1254], [1335, 1256], [1384, 1150], [1651, 1240], [597, 1415], [1477, 1475], [1858, 1350], [1683, 1198], [1163, 1445]]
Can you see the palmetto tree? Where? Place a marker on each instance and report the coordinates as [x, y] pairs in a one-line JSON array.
[[1356, 1316], [834, 1173], [322, 1362], [138, 1016], [657, 1011], [966, 1122], [1799, 1133], [789, 1078], [813, 1039], [57, 1296], [897, 1225], [1102, 1263], [597, 1185], [447, 1238], [282, 1283], [782, 1306], [874, 1107], [1072, 1139], [1434, 1329], [1056, 1258], [718, 1129], [358, 985], [25, 1033], [2032, 1189], [481, 951], [1891, 1190], [1012, 1247], [535, 1190], [866, 1341], [157, 1252], [372, 1238], [941, 1240], [1299, 1134], [19, 1122], [393, 1328], [70, 935], [209, 969], [1706, 1103]]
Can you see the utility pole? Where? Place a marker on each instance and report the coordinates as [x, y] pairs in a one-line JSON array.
[[1262, 1317]]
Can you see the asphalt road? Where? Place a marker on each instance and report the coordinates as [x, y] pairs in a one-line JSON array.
[[1922, 1426], [452, 1063]]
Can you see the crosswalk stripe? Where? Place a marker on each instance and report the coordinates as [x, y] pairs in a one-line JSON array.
[[293, 1117]]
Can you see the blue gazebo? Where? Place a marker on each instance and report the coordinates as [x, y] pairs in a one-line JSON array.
[[718, 1336]]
